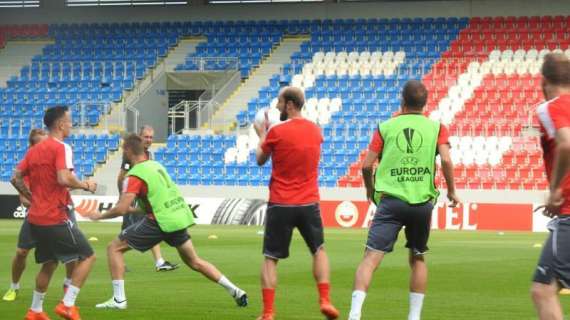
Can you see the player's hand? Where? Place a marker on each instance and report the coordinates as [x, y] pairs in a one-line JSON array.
[[453, 199], [91, 186], [370, 195], [553, 203], [94, 215], [260, 130]]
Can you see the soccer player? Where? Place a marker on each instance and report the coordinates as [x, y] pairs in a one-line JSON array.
[[147, 134], [166, 218], [406, 147], [294, 146], [553, 270], [48, 166], [25, 240]]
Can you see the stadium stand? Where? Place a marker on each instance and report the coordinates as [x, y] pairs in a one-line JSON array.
[[482, 73]]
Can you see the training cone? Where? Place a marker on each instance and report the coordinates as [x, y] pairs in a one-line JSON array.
[[93, 239], [212, 237]]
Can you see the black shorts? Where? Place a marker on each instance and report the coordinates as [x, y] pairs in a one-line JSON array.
[[25, 239], [279, 225], [130, 219], [391, 215], [62, 242], [146, 233], [554, 262]]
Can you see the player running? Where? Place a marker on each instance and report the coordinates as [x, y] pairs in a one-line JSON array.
[[167, 218], [553, 270], [48, 166], [147, 135], [404, 190], [25, 240], [295, 148]]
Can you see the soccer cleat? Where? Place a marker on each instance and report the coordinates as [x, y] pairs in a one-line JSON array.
[[112, 304], [10, 295], [240, 297], [31, 315], [265, 316], [69, 313], [167, 266], [329, 311]]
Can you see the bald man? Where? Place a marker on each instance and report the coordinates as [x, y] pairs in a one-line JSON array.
[[295, 148]]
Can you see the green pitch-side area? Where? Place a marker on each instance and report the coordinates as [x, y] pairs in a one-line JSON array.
[[483, 275]]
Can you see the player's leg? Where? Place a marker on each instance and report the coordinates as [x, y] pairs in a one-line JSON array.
[[68, 274], [181, 240], [553, 270], [72, 247], [279, 224], [418, 224], [25, 244], [382, 235], [310, 226], [141, 236], [159, 263], [546, 302]]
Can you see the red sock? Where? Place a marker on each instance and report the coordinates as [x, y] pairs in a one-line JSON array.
[[268, 298], [324, 289]]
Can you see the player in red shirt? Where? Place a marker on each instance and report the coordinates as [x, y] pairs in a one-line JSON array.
[[48, 167], [294, 146], [25, 240], [553, 270], [147, 134], [147, 233]]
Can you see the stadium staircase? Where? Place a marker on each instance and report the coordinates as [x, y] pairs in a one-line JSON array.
[[225, 117], [178, 54], [17, 54]]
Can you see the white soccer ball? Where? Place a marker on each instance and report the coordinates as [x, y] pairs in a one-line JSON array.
[[267, 117]]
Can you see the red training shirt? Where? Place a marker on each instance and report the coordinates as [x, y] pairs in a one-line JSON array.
[[295, 149], [50, 200], [554, 115]]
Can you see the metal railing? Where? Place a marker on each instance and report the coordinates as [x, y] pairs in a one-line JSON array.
[[221, 64], [87, 120], [203, 111]]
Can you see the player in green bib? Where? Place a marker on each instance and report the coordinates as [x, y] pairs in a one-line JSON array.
[[167, 218], [403, 188]]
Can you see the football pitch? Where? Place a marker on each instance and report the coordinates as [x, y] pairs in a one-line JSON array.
[[483, 275]]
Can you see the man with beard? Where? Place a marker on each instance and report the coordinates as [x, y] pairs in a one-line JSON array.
[[147, 134], [295, 147]]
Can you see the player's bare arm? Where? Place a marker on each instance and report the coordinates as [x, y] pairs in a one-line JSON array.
[[66, 178], [121, 208], [447, 168], [18, 183], [559, 170], [261, 156], [367, 174], [120, 179]]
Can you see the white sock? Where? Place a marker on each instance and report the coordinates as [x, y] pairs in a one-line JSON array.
[[119, 290], [67, 282], [15, 286], [159, 262], [416, 303], [230, 287], [358, 297], [38, 301], [70, 295]]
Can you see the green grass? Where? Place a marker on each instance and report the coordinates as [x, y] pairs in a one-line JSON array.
[[472, 276]]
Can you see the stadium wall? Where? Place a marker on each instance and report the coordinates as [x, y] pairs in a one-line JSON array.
[[56, 12]]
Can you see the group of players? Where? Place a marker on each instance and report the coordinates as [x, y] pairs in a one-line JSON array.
[[403, 149]]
